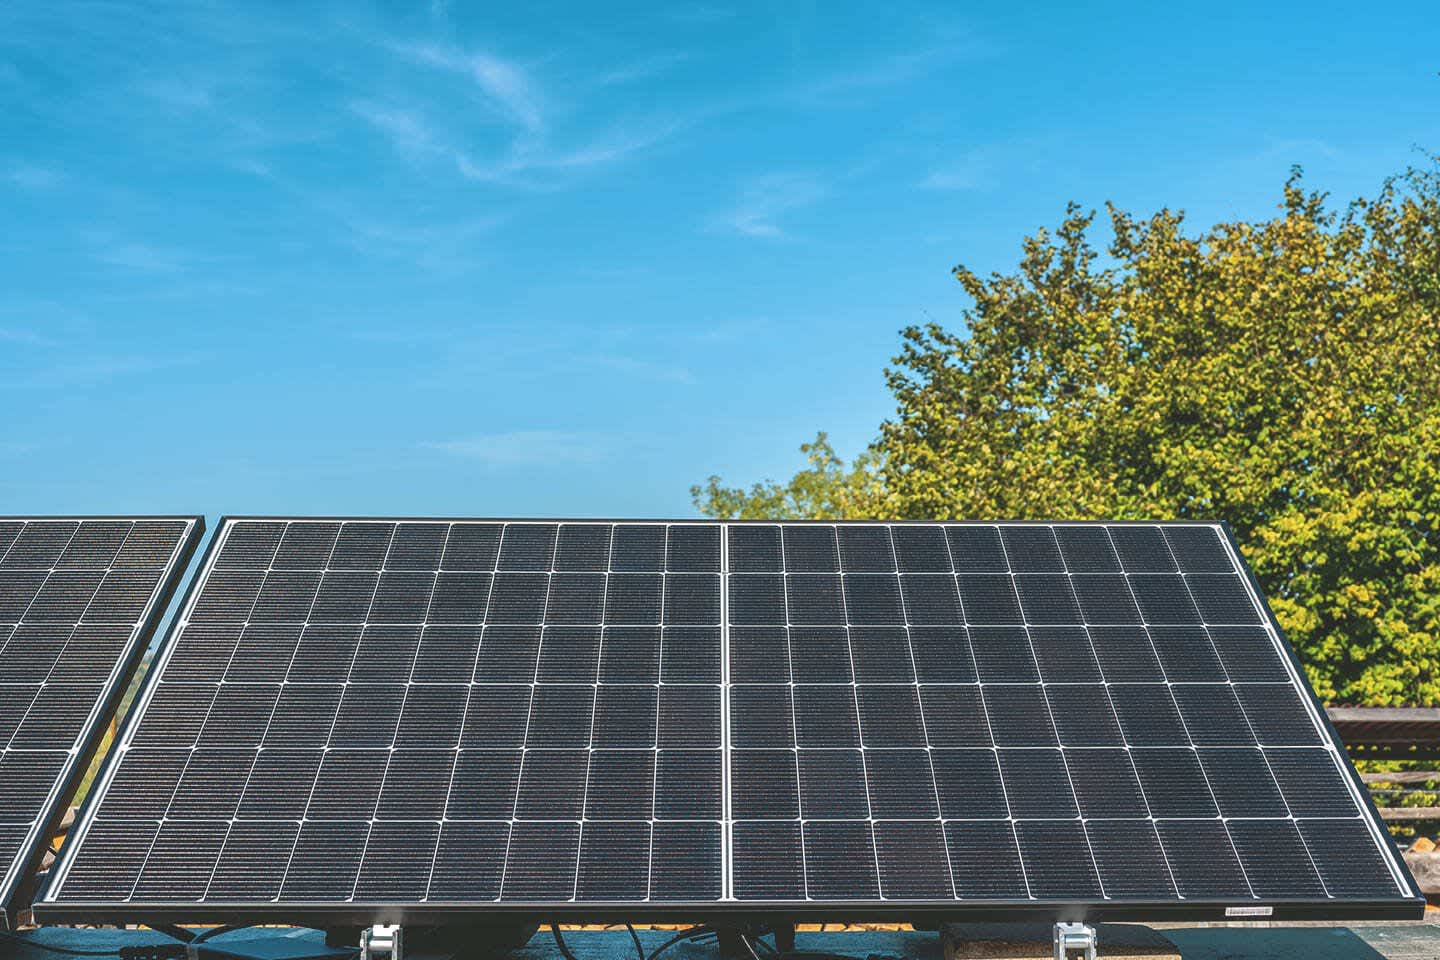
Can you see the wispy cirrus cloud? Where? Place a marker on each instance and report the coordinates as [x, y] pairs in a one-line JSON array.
[[984, 165], [505, 84], [528, 162], [891, 71], [970, 171], [537, 151], [438, 247], [765, 200], [436, 243], [523, 448], [407, 130], [644, 69]]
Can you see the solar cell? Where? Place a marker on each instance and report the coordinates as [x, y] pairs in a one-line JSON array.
[[79, 599], [363, 719]]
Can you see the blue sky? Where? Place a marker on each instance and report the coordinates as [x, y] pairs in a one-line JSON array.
[[568, 259]]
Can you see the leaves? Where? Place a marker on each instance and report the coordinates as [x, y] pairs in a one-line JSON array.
[[1279, 375], [824, 490]]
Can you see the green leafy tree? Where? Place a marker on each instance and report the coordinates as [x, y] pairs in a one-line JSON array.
[[1282, 375], [825, 490]]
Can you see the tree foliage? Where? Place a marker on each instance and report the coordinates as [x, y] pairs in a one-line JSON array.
[[825, 490], [1283, 376]]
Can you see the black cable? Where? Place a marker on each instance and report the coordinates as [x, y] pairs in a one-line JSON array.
[[177, 950], [179, 934], [560, 942], [639, 947], [690, 933], [204, 935]]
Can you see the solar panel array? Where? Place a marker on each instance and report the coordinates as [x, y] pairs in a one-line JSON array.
[[587, 713], [77, 601]]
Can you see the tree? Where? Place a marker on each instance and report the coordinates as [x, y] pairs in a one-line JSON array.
[[1283, 376], [825, 490]]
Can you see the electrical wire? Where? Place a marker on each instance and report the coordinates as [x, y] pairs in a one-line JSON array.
[[560, 942], [565, 949], [178, 934], [204, 935], [635, 937], [688, 934], [176, 950]]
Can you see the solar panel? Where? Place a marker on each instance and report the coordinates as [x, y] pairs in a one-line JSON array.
[[79, 599], [364, 720]]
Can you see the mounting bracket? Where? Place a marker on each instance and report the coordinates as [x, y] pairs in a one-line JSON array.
[[1074, 936], [382, 940]]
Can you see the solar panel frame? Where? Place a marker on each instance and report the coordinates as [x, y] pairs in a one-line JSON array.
[[1409, 904], [19, 871]]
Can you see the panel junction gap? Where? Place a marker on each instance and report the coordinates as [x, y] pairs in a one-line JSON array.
[[726, 832]]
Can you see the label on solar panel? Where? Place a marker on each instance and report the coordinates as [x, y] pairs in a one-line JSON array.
[[79, 599], [372, 719]]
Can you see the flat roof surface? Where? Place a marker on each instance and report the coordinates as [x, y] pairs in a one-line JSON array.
[[1419, 941]]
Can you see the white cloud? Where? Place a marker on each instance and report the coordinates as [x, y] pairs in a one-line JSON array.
[[505, 84], [406, 130], [764, 200], [524, 448], [938, 53], [640, 70], [536, 156], [528, 158], [968, 172], [510, 87]]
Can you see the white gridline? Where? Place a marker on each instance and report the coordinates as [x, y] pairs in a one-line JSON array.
[[728, 750], [12, 868]]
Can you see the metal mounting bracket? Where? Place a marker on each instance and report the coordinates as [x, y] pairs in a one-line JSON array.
[[1074, 936], [382, 940]]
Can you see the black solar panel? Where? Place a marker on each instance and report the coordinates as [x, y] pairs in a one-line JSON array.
[[369, 718], [79, 598]]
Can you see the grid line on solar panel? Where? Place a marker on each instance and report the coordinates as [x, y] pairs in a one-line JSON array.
[[1099, 545], [77, 598], [597, 693], [1089, 850], [1295, 872], [877, 694], [1209, 785]]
